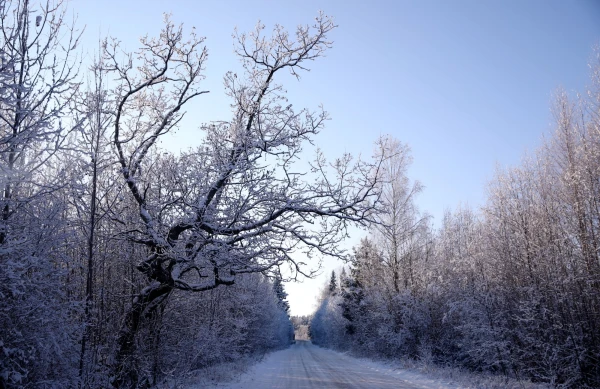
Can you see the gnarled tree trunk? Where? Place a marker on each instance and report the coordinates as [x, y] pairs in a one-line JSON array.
[[124, 370]]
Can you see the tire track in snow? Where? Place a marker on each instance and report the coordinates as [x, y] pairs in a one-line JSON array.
[[305, 366]]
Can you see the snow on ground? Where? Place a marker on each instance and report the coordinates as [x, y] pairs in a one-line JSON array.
[[305, 366]]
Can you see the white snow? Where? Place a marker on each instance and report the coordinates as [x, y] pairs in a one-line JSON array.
[[304, 366]]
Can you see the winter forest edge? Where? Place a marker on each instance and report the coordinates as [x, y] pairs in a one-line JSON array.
[[512, 289], [123, 265]]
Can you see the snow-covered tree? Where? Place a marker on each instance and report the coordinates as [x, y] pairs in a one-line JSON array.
[[333, 287], [38, 78], [281, 294], [239, 203], [401, 230]]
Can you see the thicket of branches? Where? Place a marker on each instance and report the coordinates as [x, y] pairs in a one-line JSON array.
[[513, 289], [122, 264]]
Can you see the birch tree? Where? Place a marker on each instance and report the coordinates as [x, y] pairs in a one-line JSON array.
[[401, 226]]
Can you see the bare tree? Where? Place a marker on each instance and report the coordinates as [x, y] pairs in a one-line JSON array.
[[39, 72], [90, 162], [38, 77], [401, 226], [239, 203]]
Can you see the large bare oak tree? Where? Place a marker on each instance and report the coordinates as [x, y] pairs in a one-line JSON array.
[[241, 202]]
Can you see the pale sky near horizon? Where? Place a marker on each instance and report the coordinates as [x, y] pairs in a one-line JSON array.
[[467, 84]]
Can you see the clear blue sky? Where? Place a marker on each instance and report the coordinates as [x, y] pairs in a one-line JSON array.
[[467, 84]]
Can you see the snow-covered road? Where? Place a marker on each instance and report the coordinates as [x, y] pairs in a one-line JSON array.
[[304, 366]]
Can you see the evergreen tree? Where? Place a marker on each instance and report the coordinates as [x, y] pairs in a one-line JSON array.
[[343, 276], [281, 294], [352, 296], [333, 284]]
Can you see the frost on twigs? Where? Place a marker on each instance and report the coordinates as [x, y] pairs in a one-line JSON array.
[[38, 81], [238, 203]]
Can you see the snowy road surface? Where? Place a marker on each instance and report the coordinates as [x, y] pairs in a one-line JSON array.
[[304, 366]]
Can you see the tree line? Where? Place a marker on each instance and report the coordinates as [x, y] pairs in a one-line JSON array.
[[123, 264], [511, 289]]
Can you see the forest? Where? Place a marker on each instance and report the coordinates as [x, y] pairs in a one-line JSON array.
[[511, 289], [125, 265]]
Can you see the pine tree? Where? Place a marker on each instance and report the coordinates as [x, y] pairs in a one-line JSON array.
[[352, 297], [281, 294], [333, 284]]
